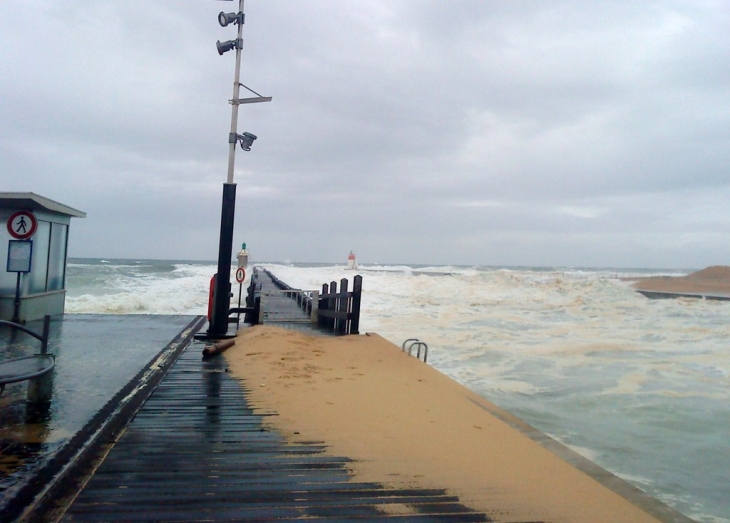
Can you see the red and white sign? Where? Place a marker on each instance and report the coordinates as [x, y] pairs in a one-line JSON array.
[[22, 225], [240, 275]]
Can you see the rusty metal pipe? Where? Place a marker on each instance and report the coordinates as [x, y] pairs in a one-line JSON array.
[[217, 348]]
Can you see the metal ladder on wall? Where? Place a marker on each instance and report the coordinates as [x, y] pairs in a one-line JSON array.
[[415, 342]]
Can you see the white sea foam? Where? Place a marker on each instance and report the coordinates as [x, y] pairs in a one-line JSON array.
[[587, 453], [139, 289]]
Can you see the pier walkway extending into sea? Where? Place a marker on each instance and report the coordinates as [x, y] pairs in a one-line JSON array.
[[198, 451], [279, 306]]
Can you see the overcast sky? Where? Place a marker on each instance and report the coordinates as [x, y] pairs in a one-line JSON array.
[[549, 133]]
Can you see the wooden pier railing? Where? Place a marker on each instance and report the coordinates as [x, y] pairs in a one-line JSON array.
[[332, 310], [340, 311]]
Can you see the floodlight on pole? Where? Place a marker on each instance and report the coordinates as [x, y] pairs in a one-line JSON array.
[[224, 47], [246, 140], [221, 298], [230, 18]]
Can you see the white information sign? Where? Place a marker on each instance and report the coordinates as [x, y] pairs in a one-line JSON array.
[[20, 255]]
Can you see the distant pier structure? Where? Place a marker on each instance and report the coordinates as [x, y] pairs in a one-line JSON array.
[[33, 246]]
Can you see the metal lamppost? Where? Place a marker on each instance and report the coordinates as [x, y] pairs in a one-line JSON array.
[[222, 289]]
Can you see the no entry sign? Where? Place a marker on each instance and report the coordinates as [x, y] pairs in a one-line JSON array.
[[22, 225]]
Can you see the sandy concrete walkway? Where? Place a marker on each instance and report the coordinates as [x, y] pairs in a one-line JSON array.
[[714, 281], [406, 424]]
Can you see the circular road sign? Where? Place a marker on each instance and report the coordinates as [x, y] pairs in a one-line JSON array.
[[240, 275], [22, 225]]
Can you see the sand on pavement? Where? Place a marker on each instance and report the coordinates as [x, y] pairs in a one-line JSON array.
[[406, 424]]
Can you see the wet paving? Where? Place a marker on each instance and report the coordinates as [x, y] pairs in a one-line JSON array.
[[96, 356]]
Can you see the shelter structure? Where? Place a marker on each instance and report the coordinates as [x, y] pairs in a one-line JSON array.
[[34, 235]]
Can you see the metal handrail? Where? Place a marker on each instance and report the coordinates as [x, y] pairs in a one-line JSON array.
[[403, 347], [43, 338], [415, 342], [28, 376]]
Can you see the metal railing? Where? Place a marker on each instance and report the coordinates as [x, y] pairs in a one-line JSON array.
[[415, 342]]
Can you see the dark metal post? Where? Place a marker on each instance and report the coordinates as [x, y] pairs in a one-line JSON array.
[[16, 311], [222, 298], [240, 292], [46, 331]]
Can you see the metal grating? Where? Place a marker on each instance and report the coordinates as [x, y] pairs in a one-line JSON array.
[[197, 451]]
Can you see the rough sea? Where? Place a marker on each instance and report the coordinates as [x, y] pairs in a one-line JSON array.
[[639, 386]]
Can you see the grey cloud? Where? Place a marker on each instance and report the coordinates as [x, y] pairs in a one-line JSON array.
[[517, 132]]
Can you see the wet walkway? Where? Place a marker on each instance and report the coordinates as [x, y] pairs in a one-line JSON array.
[[99, 358], [199, 451]]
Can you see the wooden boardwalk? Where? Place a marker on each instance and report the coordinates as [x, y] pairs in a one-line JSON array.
[[279, 307], [198, 451]]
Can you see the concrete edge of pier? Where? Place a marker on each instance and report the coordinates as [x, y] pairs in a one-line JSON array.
[[623, 488], [658, 295]]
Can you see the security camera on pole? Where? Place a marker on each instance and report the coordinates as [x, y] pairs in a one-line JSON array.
[[221, 289]]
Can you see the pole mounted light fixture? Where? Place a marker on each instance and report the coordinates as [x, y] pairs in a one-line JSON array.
[[221, 283], [222, 280], [230, 18], [224, 47], [246, 140]]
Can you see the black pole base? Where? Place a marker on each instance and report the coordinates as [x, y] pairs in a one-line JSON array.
[[218, 327]]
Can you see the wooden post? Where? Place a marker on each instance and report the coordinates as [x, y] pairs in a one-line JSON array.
[[356, 300], [342, 306], [323, 305], [332, 305]]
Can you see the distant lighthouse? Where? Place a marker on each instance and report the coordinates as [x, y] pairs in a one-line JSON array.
[[351, 261], [243, 256]]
